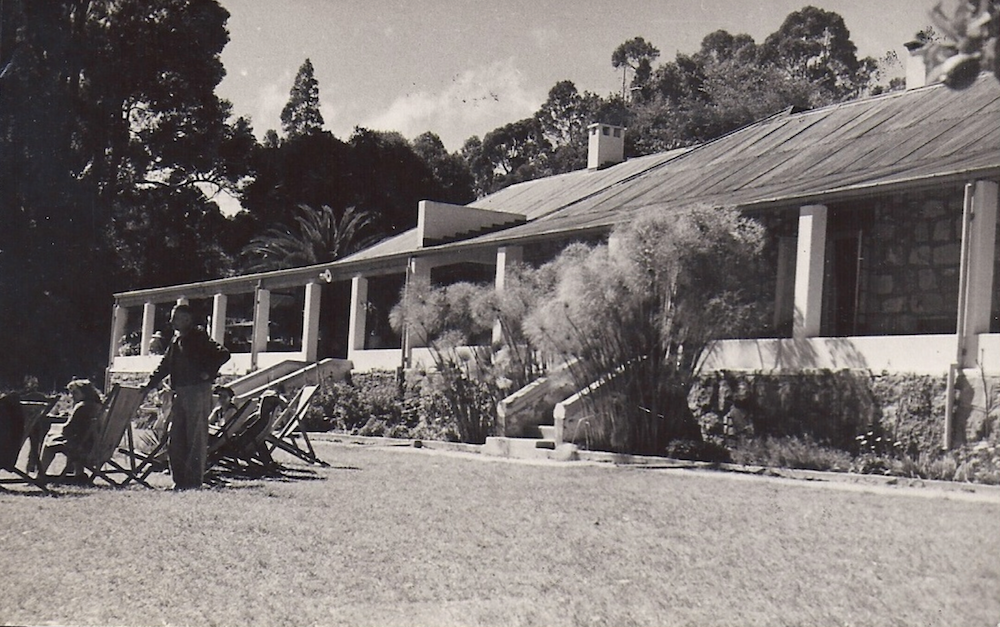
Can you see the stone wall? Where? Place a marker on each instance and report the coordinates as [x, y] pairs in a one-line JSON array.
[[909, 262], [834, 407]]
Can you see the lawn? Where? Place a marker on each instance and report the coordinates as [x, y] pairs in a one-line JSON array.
[[400, 536]]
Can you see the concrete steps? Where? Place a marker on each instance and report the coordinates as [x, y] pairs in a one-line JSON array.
[[518, 448], [523, 448]]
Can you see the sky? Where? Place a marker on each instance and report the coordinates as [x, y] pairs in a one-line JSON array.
[[464, 67]]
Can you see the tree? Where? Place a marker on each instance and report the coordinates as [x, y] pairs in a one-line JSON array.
[[635, 54], [512, 153], [451, 172], [563, 119], [106, 108], [301, 115], [970, 43], [319, 237], [388, 179], [815, 45], [312, 169]]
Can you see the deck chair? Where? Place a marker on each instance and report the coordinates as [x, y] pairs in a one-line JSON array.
[[36, 414], [15, 424], [114, 423], [286, 432], [243, 450], [248, 450], [156, 460]]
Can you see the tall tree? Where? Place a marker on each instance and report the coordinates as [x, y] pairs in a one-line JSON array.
[[815, 45], [563, 119], [312, 169], [451, 173], [389, 179], [635, 54], [301, 114], [514, 152], [104, 104]]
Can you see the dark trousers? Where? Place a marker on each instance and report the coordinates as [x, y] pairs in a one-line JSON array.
[[189, 434]]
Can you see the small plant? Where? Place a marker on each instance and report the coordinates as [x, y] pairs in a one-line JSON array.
[[876, 452]]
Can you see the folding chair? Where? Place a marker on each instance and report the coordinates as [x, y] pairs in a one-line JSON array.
[[248, 450], [15, 425], [36, 414], [285, 433], [156, 460], [244, 450], [113, 423]]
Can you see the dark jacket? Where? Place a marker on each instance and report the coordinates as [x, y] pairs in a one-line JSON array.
[[190, 359]]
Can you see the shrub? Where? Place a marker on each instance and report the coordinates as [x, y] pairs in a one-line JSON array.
[[789, 452], [350, 406], [635, 318], [451, 320], [374, 404]]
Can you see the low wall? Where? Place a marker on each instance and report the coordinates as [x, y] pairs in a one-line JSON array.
[[834, 407]]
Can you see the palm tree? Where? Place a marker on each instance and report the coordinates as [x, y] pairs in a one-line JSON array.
[[320, 237]]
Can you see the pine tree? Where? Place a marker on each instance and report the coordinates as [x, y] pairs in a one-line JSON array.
[[301, 115]]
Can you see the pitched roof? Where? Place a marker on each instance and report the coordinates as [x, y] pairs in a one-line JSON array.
[[920, 135]]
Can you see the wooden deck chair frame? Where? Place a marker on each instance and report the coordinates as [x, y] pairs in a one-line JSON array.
[[34, 411], [114, 423], [31, 412], [285, 436], [243, 451], [152, 461], [248, 451]]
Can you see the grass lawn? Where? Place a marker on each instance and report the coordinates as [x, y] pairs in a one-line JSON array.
[[393, 536]]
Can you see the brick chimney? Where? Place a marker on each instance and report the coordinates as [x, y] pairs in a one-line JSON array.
[[606, 145], [916, 67]]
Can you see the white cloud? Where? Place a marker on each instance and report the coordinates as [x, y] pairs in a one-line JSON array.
[[476, 102]]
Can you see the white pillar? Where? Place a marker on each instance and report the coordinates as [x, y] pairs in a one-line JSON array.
[[119, 320], [219, 304], [981, 258], [506, 256], [809, 271], [359, 306], [261, 319], [183, 300], [148, 326], [310, 321], [418, 273]]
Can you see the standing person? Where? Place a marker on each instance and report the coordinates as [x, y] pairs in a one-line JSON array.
[[192, 362]]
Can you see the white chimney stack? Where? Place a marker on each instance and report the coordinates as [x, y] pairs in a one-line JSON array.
[[916, 67], [606, 145]]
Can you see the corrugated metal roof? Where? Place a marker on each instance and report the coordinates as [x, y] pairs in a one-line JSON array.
[[540, 197], [407, 241], [894, 139]]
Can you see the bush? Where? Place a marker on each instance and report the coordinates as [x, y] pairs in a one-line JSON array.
[[636, 317], [374, 404], [353, 406], [789, 452]]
